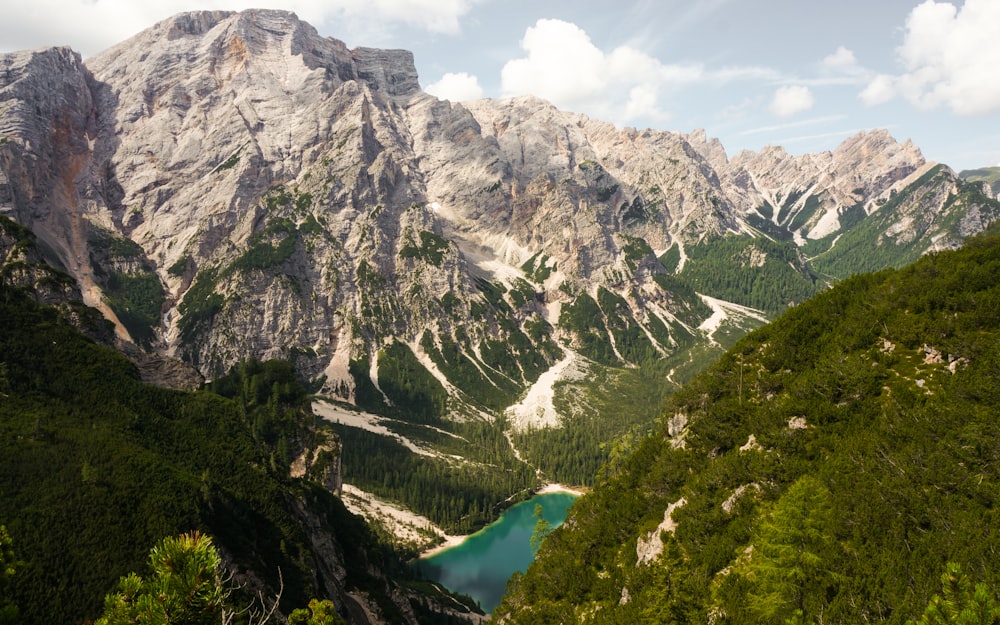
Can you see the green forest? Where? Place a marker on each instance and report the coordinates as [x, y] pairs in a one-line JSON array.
[[756, 272], [96, 467], [461, 494], [858, 432], [840, 465]]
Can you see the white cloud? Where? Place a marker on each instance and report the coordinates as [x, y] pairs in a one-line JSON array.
[[950, 56], [815, 121], [87, 27], [744, 72], [564, 66], [456, 87], [881, 89], [436, 16], [824, 135], [840, 67], [791, 100], [90, 26], [642, 103], [841, 59], [738, 111]]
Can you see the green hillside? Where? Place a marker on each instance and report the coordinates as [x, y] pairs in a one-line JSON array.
[[96, 467], [990, 175], [834, 462]]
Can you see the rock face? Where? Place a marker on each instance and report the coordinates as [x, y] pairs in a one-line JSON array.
[[232, 185], [46, 124]]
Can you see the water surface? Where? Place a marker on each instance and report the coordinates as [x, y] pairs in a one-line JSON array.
[[481, 565]]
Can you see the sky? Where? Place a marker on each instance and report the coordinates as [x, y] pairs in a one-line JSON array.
[[800, 74]]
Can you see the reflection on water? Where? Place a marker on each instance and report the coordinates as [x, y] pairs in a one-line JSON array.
[[482, 564]]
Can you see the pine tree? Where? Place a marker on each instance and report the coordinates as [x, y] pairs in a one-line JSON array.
[[542, 529], [188, 586], [319, 613], [960, 603], [185, 587], [788, 567]]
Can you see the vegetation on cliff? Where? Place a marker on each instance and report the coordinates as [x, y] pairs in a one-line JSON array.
[[827, 468], [96, 466]]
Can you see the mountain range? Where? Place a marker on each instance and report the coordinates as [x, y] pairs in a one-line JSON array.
[[490, 287], [226, 185]]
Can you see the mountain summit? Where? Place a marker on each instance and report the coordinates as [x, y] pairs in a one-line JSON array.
[[232, 185]]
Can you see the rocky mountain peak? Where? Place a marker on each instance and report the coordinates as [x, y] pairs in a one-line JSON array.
[[709, 147], [46, 124], [390, 71], [282, 195], [878, 149], [254, 43], [43, 83]]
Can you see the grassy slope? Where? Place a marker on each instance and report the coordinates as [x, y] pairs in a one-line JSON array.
[[983, 174]]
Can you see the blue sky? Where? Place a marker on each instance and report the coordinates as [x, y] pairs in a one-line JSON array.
[[802, 74]]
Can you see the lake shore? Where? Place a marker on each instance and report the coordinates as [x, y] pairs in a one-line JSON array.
[[454, 541], [559, 488], [449, 542], [481, 564]]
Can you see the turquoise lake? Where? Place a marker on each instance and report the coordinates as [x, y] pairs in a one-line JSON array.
[[482, 564]]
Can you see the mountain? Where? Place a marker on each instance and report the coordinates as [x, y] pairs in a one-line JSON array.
[[96, 467], [226, 186], [832, 462]]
